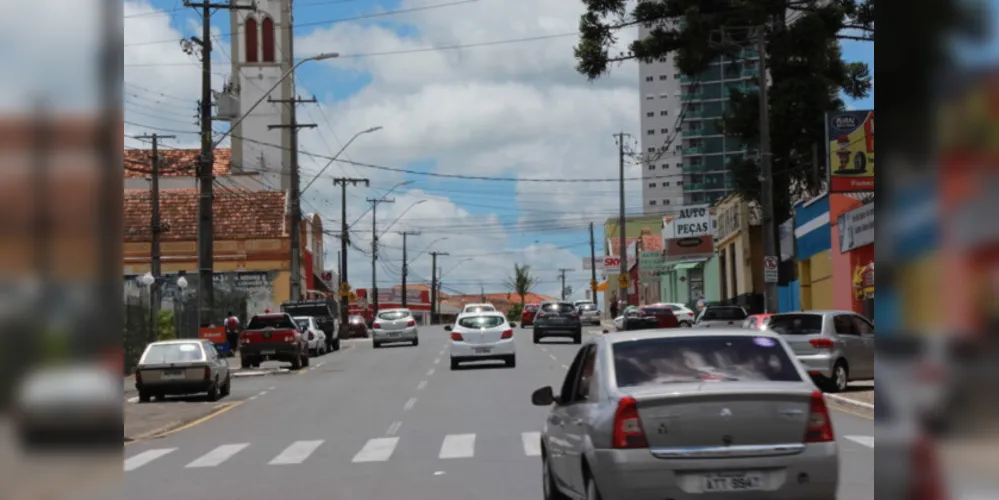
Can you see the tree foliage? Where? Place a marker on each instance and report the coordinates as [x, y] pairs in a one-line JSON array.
[[521, 282], [804, 61]]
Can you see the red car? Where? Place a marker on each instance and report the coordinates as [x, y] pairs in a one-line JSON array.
[[663, 314], [273, 336], [527, 315], [756, 321]]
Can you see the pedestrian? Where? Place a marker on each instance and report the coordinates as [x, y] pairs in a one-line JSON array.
[[613, 308], [231, 326]]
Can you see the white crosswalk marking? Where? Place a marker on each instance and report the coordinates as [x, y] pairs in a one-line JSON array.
[[217, 456], [376, 450], [867, 441], [532, 443], [146, 457], [297, 453], [458, 446]]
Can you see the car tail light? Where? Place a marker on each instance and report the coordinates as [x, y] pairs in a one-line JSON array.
[[507, 334], [574, 315], [208, 373], [312, 336], [819, 428], [822, 343], [455, 336], [540, 315], [289, 338], [138, 376], [628, 432], [412, 322], [927, 482], [376, 325]]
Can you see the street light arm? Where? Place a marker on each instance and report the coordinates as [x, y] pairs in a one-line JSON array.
[[351, 225], [460, 262], [318, 57], [400, 217], [425, 250], [337, 155]]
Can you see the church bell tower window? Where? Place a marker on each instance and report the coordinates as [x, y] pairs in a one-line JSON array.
[[252, 47], [267, 37]]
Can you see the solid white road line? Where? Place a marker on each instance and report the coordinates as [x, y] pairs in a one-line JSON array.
[[867, 441], [376, 450], [458, 446], [532, 443], [409, 404], [217, 456], [422, 385], [146, 457], [297, 453]]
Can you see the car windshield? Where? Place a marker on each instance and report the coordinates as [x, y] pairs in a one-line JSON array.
[[278, 321], [701, 359], [173, 353], [393, 315], [481, 321], [724, 314], [795, 324], [479, 309]]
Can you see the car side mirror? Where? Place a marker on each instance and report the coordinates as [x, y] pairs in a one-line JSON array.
[[447, 328], [544, 396]]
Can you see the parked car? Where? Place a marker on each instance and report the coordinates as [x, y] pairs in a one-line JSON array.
[[357, 327], [756, 321], [273, 336], [681, 414], [178, 367], [835, 347], [589, 313], [558, 319], [394, 325], [683, 314], [482, 337], [664, 317], [634, 319], [325, 311], [315, 337], [68, 405], [477, 308], [720, 316], [527, 315]]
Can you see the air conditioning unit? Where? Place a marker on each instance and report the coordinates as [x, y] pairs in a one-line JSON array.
[[228, 106]]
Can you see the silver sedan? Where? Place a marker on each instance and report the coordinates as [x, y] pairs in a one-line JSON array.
[[678, 414]]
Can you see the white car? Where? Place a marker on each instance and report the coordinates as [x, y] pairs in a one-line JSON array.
[[477, 308], [394, 325], [683, 314], [482, 337], [313, 335]]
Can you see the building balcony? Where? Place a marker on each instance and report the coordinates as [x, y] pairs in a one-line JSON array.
[[693, 151], [750, 73], [750, 54], [693, 187], [687, 79], [692, 96]]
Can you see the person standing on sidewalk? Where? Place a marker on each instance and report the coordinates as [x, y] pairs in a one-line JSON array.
[[232, 331], [613, 308]]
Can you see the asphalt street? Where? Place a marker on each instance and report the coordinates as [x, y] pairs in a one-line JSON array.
[[391, 423]]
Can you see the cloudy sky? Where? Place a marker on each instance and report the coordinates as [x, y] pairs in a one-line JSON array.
[[468, 88]]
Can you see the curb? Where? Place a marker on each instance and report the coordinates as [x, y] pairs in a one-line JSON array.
[[850, 402], [179, 425]]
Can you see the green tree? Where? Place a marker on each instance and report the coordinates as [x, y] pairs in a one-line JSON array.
[[514, 313], [522, 282]]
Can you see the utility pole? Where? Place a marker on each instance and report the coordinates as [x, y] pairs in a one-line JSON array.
[[206, 247], [155, 228], [561, 273], [769, 230], [434, 284], [593, 267], [295, 285], [623, 251], [405, 264], [344, 243], [374, 248]]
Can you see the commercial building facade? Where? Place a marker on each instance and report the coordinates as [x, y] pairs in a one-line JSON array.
[[739, 248], [813, 238]]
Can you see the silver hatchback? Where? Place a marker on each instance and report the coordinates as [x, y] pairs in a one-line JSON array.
[[683, 414], [835, 346], [394, 325]]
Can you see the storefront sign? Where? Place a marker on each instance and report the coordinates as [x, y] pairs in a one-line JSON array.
[[856, 228], [651, 263], [850, 151], [691, 222]]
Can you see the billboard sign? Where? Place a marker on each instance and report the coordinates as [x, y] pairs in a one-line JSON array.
[[588, 264], [850, 151]]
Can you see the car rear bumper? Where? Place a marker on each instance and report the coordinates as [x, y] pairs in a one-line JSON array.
[[270, 350], [590, 318], [467, 351], [406, 335], [638, 475], [820, 365], [174, 386], [565, 330]]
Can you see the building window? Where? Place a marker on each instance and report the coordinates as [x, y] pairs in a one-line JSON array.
[[650, 131], [650, 114], [676, 75], [252, 47], [649, 97], [663, 96], [679, 183], [267, 39], [652, 167], [652, 202], [652, 150], [662, 77], [652, 184], [664, 113], [648, 78], [666, 202], [664, 131], [666, 184], [665, 166]]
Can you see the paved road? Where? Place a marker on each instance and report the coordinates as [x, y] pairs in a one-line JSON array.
[[391, 423]]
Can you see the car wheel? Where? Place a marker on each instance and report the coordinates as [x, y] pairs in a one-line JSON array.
[[376, 345], [296, 363], [685, 324], [416, 342], [336, 344], [840, 377], [548, 484], [227, 387], [578, 338], [454, 364], [305, 358], [591, 490], [145, 396], [213, 391], [537, 338], [245, 362], [511, 362]]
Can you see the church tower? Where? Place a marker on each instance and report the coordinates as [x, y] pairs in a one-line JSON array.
[[261, 51]]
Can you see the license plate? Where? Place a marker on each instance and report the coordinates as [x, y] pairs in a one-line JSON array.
[[395, 334], [558, 320], [173, 375], [268, 352], [733, 481], [482, 350]]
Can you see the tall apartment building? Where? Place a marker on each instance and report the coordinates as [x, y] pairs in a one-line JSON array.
[[662, 169]]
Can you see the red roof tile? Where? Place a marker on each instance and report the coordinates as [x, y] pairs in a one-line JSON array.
[[238, 215], [174, 162]]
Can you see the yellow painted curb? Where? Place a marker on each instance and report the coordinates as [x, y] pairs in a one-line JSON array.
[[217, 412]]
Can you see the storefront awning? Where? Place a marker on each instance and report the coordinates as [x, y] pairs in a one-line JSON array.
[[686, 264]]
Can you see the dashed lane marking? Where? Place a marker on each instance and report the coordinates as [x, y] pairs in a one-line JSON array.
[[422, 385], [409, 404]]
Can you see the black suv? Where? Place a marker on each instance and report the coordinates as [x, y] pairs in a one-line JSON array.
[[558, 319]]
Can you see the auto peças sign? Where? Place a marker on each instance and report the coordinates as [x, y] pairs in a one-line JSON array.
[[691, 222]]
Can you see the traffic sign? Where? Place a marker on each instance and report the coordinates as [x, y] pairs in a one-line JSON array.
[[623, 280], [593, 283], [770, 274]]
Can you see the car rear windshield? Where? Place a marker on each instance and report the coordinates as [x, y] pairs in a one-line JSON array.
[[480, 309], [563, 307], [392, 315], [724, 314], [702, 359], [588, 307], [261, 322], [481, 322], [530, 308], [173, 353], [303, 323], [795, 324], [307, 310]]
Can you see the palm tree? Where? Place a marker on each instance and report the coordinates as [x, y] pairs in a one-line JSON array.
[[521, 282]]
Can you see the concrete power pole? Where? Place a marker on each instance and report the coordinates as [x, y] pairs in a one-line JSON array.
[[155, 228], [344, 291], [623, 251], [206, 247], [434, 284], [593, 267], [295, 279], [769, 230], [561, 273], [374, 249], [405, 264]]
